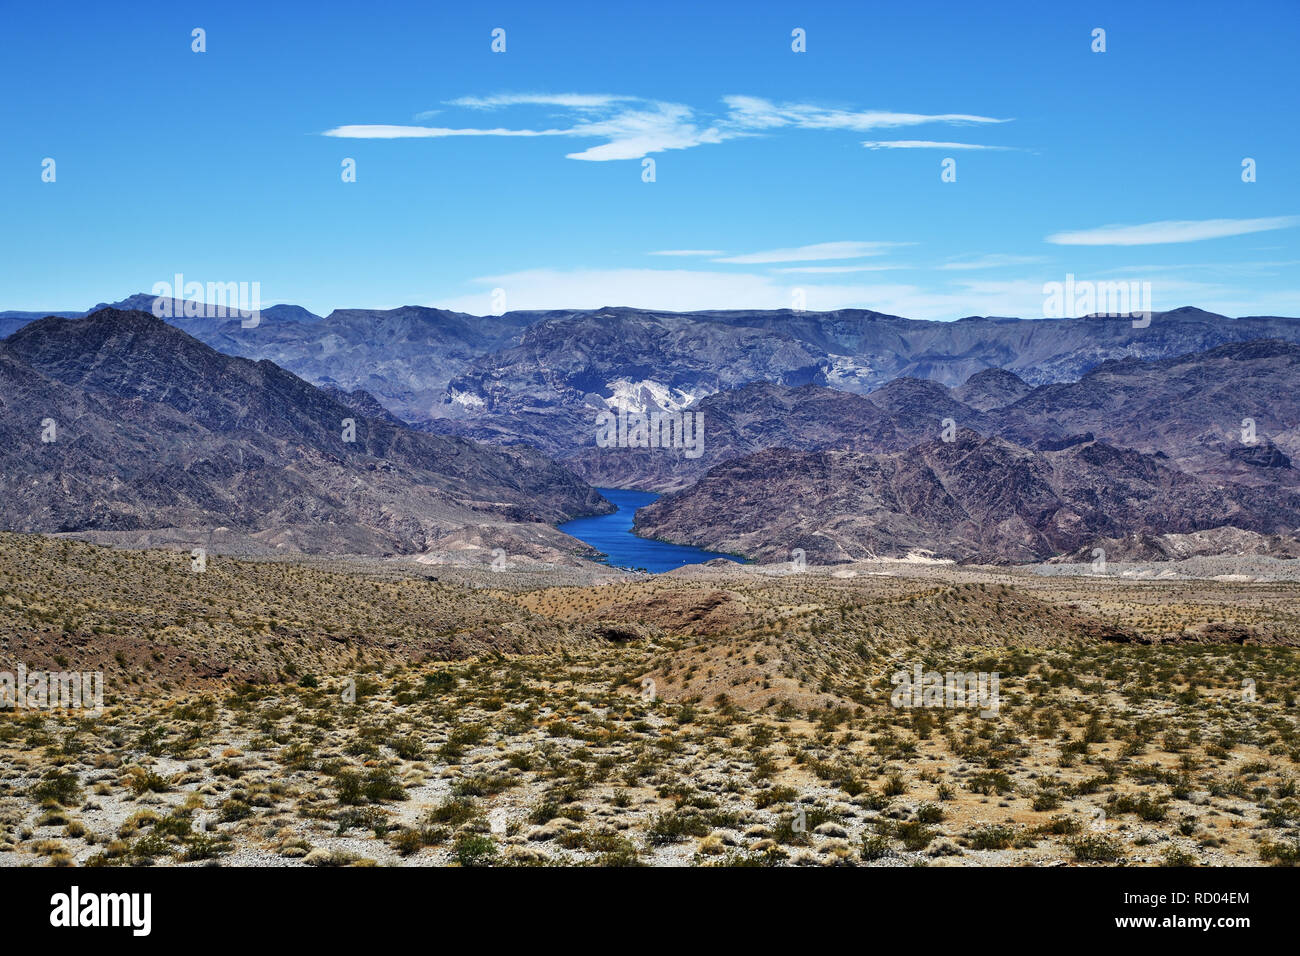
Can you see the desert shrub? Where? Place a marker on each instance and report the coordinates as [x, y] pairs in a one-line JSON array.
[[1177, 857], [1095, 848], [378, 784], [202, 847], [452, 812], [233, 809], [1061, 826], [874, 847], [613, 849], [914, 834], [991, 837], [773, 795], [929, 813], [408, 748], [674, 826], [475, 849], [58, 786], [1284, 853], [1151, 810], [990, 783], [144, 781]]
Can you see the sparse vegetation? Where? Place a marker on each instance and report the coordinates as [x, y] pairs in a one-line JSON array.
[[769, 739]]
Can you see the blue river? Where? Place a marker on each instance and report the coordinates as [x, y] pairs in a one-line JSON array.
[[612, 535]]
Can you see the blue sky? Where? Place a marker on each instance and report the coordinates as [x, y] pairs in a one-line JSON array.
[[523, 171]]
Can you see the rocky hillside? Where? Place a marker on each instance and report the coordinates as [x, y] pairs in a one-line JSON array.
[[974, 498], [152, 430], [1185, 394], [548, 390], [992, 388], [1189, 409], [742, 421], [503, 375]]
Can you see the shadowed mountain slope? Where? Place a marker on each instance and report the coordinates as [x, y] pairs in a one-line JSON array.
[[970, 499], [154, 430]]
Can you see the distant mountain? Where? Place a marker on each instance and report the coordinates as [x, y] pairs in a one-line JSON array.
[[742, 421], [687, 355], [11, 322], [991, 388], [974, 498], [1192, 411], [157, 419], [484, 377], [362, 401], [176, 311], [866, 349], [1196, 410], [155, 430], [404, 357], [548, 389], [761, 415]]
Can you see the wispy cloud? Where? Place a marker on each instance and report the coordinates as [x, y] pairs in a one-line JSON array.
[[1251, 267], [991, 261], [629, 132], [1176, 230], [926, 144], [574, 101], [686, 252], [653, 128], [630, 127], [686, 290], [815, 252], [431, 132], [831, 270], [677, 290], [755, 113]]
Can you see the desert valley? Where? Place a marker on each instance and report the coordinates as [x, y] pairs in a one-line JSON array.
[[996, 592]]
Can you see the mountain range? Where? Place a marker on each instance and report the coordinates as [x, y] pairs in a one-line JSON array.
[[1188, 411], [426, 364], [972, 499], [838, 430], [124, 425]]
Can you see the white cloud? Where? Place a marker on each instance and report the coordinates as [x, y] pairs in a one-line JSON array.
[[630, 127], [575, 101], [686, 252], [688, 290], [629, 133], [431, 132], [991, 261], [925, 144], [633, 133], [677, 290], [1253, 267], [817, 251], [752, 112], [823, 270], [1180, 230]]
